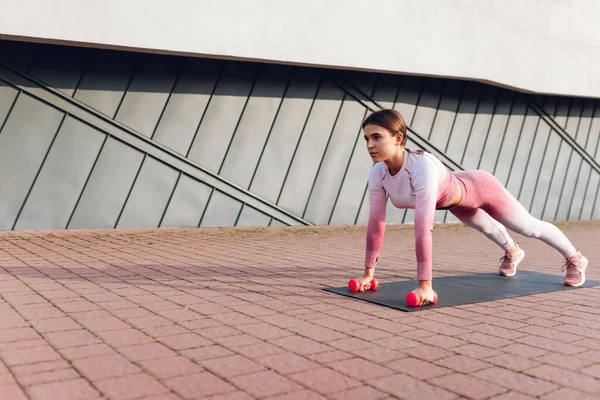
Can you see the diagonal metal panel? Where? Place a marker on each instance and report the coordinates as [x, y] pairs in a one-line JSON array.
[[564, 134], [124, 134], [528, 103], [431, 108], [372, 105]]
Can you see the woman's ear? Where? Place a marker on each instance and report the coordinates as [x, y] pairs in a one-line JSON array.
[[399, 139]]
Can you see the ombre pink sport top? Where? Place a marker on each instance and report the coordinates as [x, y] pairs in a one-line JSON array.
[[423, 184]]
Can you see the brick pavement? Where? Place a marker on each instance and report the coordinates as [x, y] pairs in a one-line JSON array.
[[239, 314]]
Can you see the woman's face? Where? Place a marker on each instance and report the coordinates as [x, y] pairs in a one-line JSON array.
[[381, 144]]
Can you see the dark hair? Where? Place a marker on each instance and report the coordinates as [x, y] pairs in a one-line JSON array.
[[393, 121], [389, 119]]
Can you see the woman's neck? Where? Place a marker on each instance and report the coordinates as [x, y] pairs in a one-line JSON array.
[[395, 163]]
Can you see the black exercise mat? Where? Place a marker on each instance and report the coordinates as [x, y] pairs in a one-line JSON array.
[[465, 289]]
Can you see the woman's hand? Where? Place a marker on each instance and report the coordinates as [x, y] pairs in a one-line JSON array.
[[365, 279], [425, 292]]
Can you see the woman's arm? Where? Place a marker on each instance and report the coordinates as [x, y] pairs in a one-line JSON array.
[[425, 178], [376, 224]]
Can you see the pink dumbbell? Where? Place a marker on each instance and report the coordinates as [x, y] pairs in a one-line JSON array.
[[414, 300], [354, 285]]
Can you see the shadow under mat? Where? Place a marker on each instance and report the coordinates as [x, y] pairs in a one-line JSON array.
[[464, 289]]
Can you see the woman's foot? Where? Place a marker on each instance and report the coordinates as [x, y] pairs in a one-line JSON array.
[[575, 267], [511, 260]]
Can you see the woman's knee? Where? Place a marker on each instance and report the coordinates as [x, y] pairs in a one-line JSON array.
[[490, 233], [531, 232]]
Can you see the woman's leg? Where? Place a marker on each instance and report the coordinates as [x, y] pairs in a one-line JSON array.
[[506, 209], [478, 219], [502, 206], [481, 221]]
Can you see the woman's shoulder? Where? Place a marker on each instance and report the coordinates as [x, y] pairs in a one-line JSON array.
[[423, 159], [378, 169], [377, 173]]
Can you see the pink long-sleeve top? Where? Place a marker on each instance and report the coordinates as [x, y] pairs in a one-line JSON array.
[[423, 184]]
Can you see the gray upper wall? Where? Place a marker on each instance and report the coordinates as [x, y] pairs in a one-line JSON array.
[[546, 47]]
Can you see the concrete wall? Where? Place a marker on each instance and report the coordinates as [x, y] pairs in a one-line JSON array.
[[546, 47], [102, 139]]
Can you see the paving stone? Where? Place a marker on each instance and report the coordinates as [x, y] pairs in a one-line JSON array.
[[238, 313]]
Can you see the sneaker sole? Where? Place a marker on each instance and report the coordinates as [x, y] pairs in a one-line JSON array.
[[516, 265], [580, 283]]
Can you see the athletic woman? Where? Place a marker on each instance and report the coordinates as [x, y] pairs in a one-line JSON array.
[[418, 180]]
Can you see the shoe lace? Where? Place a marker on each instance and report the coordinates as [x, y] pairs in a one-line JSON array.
[[571, 265], [507, 257]]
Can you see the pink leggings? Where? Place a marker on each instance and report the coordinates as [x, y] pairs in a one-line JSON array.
[[487, 206]]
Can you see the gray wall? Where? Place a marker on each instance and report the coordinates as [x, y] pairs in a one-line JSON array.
[[102, 139], [513, 43]]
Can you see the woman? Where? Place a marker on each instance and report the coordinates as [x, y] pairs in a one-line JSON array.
[[418, 180]]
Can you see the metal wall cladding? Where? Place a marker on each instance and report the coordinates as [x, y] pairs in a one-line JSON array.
[[257, 144]]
